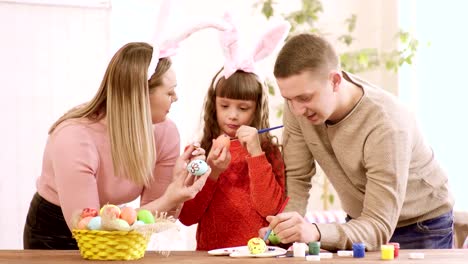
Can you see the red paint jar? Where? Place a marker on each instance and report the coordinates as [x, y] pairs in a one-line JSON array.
[[397, 248]]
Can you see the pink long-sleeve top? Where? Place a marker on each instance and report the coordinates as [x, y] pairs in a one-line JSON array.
[[77, 170]]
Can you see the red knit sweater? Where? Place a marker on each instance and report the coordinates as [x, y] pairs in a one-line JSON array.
[[231, 210]]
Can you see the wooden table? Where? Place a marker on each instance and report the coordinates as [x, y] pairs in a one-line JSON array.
[[439, 256]]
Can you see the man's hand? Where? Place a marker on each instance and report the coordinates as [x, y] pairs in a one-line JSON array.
[[291, 227]]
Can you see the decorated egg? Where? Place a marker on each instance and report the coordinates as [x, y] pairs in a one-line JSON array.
[[222, 140], [197, 167], [145, 216], [128, 214], [256, 245], [89, 212], [138, 223], [95, 223], [83, 224], [110, 209], [274, 240], [122, 224]]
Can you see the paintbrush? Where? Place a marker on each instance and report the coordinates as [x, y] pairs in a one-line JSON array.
[[280, 211], [263, 130]]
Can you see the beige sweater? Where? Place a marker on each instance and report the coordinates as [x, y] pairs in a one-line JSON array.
[[385, 175]]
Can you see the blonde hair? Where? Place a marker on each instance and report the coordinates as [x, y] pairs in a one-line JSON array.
[[123, 98], [241, 86]]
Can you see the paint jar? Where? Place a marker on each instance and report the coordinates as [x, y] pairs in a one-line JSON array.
[[387, 252], [359, 250], [396, 247], [314, 248]]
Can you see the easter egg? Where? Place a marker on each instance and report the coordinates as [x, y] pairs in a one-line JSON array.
[[138, 223], [197, 167], [89, 212], [274, 240], [256, 245], [122, 224], [128, 214], [222, 140], [94, 223], [83, 224], [110, 209], [145, 216]]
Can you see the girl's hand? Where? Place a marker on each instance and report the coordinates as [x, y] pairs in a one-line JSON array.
[[185, 186], [218, 159], [248, 137]]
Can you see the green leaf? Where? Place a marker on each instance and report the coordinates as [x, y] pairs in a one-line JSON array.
[[351, 23], [267, 9], [331, 198], [271, 89], [279, 112]]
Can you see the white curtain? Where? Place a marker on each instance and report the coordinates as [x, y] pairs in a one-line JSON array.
[[435, 85], [51, 58]]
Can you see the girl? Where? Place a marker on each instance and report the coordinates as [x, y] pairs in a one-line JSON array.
[[247, 180]]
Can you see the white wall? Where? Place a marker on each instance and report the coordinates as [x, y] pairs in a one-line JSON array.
[[49, 58], [435, 86], [52, 57]]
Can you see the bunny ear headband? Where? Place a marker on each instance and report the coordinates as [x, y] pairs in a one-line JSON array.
[[164, 49], [275, 35]]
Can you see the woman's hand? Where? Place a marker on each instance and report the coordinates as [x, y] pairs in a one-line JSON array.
[[185, 186], [218, 159], [248, 137]]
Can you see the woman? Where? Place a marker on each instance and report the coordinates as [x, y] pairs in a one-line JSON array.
[[108, 151]]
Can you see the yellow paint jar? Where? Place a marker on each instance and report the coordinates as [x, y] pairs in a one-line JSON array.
[[387, 252]]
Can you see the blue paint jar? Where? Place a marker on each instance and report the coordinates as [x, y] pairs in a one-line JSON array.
[[359, 250]]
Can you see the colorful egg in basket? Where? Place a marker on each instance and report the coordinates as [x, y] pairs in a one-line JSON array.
[[113, 238]]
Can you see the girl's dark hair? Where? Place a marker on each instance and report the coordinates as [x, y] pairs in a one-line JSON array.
[[240, 86]]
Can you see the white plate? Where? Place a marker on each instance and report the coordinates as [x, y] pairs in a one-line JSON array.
[[243, 252], [225, 251]]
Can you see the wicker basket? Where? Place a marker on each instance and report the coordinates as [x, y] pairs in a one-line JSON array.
[[111, 245]]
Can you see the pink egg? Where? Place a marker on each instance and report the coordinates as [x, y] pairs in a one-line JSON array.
[[84, 222], [128, 214]]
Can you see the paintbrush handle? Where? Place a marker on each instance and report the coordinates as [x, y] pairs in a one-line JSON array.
[[263, 130], [280, 211], [268, 129]]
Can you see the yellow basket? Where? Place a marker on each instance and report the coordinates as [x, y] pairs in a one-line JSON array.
[[111, 245]]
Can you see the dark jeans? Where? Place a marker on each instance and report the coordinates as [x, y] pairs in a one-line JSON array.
[[45, 227], [429, 234]]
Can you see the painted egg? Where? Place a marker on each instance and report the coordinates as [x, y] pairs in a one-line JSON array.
[[89, 212], [110, 209], [274, 240], [256, 245], [128, 214], [122, 224], [222, 140], [95, 223], [138, 223], [197, 167], [83, 224], [145, 216]]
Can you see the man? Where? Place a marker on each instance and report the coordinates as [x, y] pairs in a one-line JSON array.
[[370, 148]]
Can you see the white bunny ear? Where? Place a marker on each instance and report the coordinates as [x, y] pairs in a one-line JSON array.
[[170, 47], [274, 36], [161, 21], [230, 45]]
